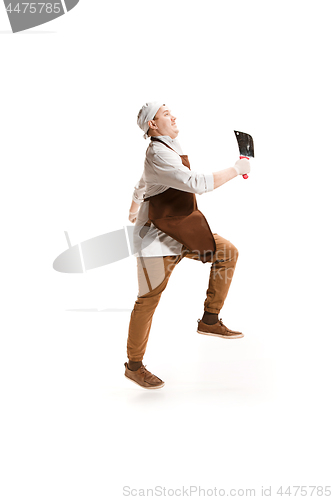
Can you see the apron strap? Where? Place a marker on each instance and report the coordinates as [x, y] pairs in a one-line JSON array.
[[159, 140], [184, 158]]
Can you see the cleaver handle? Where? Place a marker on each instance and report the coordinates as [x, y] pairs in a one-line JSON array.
[[245, 176]]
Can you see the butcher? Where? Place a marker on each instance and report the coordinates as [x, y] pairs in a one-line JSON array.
[[169, 227]]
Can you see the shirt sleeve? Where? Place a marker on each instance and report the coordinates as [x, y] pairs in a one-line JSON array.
[[139, 190], [169, 171]]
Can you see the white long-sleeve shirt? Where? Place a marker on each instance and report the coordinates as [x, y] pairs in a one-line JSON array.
[[163, 169]]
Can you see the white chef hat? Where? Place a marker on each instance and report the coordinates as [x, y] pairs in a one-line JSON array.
[[147, 113]]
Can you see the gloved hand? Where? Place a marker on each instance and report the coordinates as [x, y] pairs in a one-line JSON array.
[[242, 166], [133, 216]]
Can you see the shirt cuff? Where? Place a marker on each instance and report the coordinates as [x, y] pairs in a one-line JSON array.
[[209, 178], [137, 200]]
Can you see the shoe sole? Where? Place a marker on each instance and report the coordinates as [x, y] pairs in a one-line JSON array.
[[143, 386], [222, 336]]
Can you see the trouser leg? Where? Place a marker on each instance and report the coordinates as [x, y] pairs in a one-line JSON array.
[[221, 273], [153, 276]]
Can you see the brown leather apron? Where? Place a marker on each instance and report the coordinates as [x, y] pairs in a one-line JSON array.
[[176, 213]]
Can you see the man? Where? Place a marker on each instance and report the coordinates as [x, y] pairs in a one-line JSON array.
[[169, 227]]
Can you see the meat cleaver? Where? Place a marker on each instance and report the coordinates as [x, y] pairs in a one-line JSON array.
[[245, 145]]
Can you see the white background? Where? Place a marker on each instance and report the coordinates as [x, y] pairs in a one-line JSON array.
[[245, 414]]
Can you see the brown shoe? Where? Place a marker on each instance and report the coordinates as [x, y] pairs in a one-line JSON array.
[[218, 330], [143, 377]]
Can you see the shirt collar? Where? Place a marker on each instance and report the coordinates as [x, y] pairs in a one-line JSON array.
[[173, 143]]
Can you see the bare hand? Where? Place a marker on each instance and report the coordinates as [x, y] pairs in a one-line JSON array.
[[132, 216]]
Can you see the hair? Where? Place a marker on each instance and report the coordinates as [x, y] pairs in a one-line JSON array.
[[149, 132]]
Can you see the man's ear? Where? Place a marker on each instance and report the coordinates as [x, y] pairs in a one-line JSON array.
[[152, 124]]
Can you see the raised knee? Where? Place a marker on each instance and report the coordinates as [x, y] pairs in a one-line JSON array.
[[227, 253], [234, 252]]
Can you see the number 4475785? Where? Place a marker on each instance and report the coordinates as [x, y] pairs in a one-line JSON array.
[[32, 8]]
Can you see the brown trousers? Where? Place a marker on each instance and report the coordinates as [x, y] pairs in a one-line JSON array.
[[153, 276]]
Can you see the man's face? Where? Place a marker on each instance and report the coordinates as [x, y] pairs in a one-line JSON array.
[[164, 123]]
